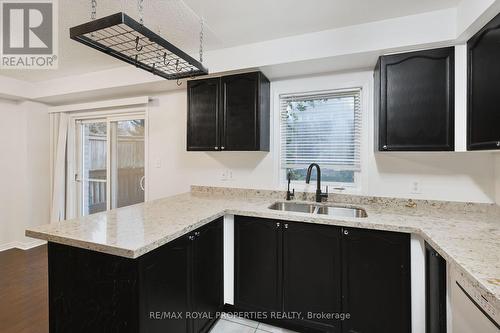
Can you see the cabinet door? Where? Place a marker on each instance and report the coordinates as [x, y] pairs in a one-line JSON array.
[[203, 115], [483, 119], [164, 287], [240, 105], [257, 264], [376, 281], [417, 101], [207, 271], [435, 291], [89, 291], [312, 273]]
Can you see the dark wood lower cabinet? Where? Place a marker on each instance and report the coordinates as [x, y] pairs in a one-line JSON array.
[[376, 288], [207, 278], [91, 291], [435, 291], [161, 291], [164, 284], [184, 276], [303, 276], [340, 280], [312, 274], [258, 257]]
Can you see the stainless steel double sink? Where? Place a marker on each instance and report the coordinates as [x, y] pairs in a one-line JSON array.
[[312, 208]]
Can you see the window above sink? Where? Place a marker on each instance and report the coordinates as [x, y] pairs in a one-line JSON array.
[[325, 128]]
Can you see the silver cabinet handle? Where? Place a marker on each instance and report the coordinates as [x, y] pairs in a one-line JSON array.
[[384, 147], [222, 148], [346, 232], [197, 233], [191, 238], [286, 225], [216, 148], [277, 224]]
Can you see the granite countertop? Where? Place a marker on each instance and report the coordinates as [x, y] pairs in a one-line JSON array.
[[466, 235]]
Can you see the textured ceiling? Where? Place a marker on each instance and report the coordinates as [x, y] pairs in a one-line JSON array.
[[242, 22], [173, 19], [228, 23]]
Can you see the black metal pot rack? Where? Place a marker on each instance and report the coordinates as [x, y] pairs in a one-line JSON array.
[[126, 39]]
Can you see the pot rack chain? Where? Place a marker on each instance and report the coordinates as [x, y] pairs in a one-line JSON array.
[[93, 10], [202, 23], [140, 7]]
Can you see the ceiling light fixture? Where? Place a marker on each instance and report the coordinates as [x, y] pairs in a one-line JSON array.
[[121, 37]]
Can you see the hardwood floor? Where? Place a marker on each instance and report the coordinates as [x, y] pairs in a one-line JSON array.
[[24, 291]]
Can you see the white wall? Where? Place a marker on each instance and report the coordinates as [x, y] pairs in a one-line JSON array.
[[24, 147], [441, 176], [178, 169]]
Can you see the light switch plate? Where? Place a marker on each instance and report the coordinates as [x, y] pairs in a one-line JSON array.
[[415, 187]]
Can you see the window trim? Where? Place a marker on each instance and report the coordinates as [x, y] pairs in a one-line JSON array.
[[350, 188]]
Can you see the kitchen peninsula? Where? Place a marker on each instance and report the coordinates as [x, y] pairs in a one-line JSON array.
[[108, 271]]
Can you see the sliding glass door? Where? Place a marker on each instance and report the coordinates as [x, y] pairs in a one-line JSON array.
[[93, 159], [110, 160], [127, 162]]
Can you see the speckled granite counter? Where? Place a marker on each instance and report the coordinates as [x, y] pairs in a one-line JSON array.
[[466, 235]]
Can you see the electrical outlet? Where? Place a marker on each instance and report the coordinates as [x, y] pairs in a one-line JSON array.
[[415, 187], [226, 175]]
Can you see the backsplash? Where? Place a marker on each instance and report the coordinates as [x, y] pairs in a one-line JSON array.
[[349, 199]]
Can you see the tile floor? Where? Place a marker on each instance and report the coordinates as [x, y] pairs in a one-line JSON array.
[[242, 325]]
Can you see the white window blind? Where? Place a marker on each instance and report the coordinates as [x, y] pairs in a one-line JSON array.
[[323, 128]]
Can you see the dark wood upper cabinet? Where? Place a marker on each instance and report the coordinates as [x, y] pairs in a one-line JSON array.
[[231, 113], [203, 115], [376, 285], [483, 112], [414, 101]]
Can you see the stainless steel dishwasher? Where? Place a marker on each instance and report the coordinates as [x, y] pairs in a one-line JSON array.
[[470, 311]]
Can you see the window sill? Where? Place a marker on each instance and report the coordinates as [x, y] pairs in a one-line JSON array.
[[311, 188]]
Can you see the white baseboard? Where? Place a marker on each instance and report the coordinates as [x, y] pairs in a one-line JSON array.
[[31, 244], [8, 246], [22, 245]]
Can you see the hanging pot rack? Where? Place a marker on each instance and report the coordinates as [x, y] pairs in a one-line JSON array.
[[122, 37]]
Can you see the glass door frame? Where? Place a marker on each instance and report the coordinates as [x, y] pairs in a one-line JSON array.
[[75, 164], [112, 159]]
